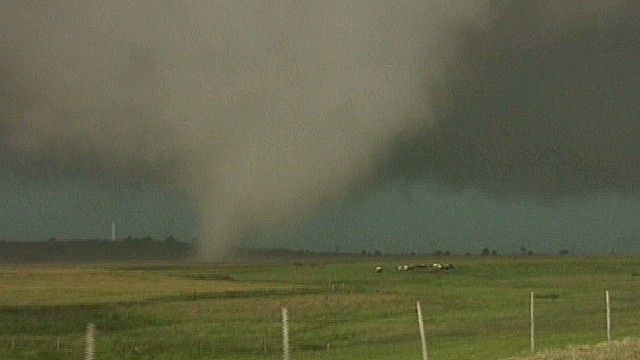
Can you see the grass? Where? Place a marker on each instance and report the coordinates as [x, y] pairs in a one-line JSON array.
[[616, 350], [338, 309]]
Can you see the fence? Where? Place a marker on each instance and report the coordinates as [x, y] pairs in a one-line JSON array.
[[300, 338]]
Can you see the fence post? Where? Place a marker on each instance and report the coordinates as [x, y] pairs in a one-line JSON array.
[[90, 342], [423, 339], [285, 334], [533, 326], [264, 343], [608, 305]]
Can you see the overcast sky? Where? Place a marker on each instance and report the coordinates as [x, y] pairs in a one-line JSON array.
[[400, 127]]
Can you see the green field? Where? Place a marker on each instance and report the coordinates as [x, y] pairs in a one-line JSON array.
[[337, 309]]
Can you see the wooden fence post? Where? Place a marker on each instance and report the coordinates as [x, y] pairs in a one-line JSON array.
[[90, 342], [608, 305], [423, 338], [285, 334], [533, 325]]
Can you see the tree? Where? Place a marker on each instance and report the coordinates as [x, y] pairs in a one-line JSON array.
[[563, 252], [485, 252]]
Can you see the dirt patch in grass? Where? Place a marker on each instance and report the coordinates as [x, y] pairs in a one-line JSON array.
[[613, 350]]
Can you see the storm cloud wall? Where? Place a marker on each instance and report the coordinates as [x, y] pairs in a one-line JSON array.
[[259, 112]]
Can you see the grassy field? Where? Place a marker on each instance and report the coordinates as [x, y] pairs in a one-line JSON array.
[[338, 309]]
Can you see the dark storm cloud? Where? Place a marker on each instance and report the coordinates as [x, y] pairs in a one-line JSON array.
[[256, 111], [544, 102], [259, 112]]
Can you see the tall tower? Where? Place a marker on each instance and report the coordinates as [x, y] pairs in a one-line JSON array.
[[113, 231]]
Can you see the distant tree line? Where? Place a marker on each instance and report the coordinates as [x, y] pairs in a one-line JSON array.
[[485, 252], [147, 248], [54, 250]]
